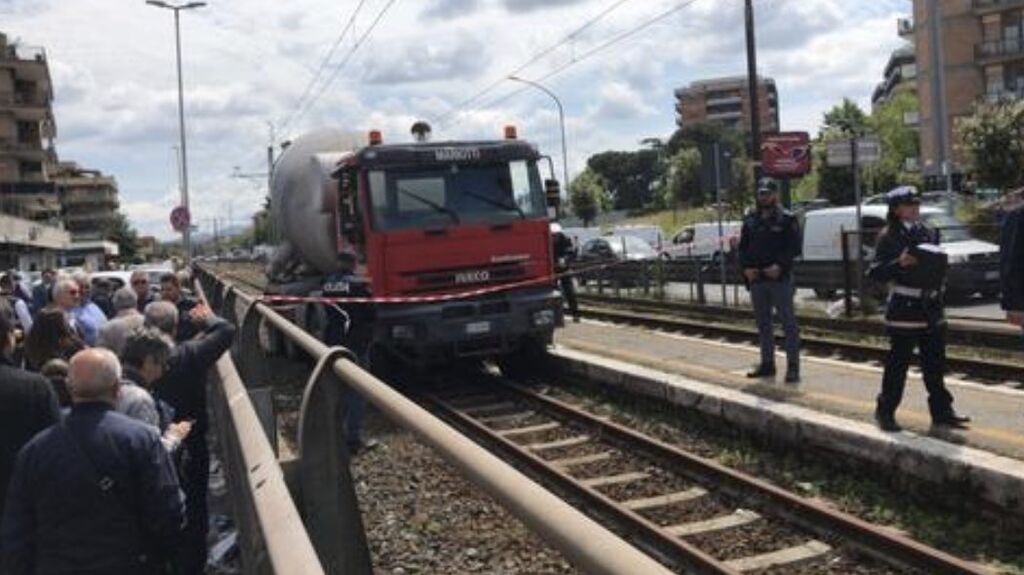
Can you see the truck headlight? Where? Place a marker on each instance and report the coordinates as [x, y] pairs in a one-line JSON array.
[[544, 318], [406, 332]]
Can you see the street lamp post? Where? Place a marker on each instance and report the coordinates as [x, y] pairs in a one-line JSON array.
[[186, 234], [561, 121]]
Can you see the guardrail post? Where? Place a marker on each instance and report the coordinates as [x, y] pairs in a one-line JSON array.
[[216, 296], [229, 309], [329, 503], [252, 362]]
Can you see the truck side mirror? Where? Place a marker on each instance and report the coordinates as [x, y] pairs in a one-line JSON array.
[[553, 193]]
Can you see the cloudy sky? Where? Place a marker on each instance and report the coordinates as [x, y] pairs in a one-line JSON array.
[[248, 64]]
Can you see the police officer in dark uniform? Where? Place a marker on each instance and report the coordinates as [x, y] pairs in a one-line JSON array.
[[565, 253], [350, 325], [914, 316], [1011, 271], [769, 241]]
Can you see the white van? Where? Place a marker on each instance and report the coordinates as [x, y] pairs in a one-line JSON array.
[[701, 240], [973, 264]]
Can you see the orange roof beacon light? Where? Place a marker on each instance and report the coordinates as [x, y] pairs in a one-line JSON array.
[[376, 138], [511, 133]]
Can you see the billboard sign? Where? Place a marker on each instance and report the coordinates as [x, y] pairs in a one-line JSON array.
[[786, 154]]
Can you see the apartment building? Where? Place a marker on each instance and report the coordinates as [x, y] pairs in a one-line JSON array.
[[88, 201], [900, 75], [27, 129], [981, 47], [726, 101]]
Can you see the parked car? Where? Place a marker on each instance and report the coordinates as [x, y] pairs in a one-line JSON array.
[[610, 250], [701, 241], [973, 264], [650, 234], [580, 236]]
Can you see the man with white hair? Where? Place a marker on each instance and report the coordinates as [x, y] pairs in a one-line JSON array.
[[126, 319], [95, 493], [89, 318], [140, 285]]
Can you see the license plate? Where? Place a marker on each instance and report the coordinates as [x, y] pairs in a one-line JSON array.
[[478, 328], [993, 275]]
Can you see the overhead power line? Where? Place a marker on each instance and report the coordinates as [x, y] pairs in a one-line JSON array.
[[301, 111], [325, 61], [533, 59], [582, 57]]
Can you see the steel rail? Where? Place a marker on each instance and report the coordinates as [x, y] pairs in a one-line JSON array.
[[583, 541], [647, 533], [815, 517], [993, 370]]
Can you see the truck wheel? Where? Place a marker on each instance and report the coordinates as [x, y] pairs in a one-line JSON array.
[[527, 361]]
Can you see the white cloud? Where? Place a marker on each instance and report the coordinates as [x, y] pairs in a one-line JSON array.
[[247, 63]]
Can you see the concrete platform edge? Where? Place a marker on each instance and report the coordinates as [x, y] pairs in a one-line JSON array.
[[995, 479]]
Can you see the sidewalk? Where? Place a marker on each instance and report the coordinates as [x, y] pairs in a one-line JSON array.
[[835, 387]]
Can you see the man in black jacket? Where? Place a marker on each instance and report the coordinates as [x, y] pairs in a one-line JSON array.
[[1012, 268], [769, 241], [94, 494], [183, 387], [28, 403]]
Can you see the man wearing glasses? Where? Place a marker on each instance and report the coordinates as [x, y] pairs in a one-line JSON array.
[[769, 242]]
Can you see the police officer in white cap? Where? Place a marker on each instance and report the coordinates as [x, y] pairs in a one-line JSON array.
[[908, 260]]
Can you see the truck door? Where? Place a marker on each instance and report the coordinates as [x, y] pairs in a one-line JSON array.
[[350, 231]]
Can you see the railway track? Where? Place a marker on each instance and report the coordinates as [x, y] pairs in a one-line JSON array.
[[690, 513], [983, 370], [694, 515]]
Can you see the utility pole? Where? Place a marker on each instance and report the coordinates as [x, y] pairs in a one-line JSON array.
[[186, 234], [754, 92], [561, 122], [937, 80], [718, 208]]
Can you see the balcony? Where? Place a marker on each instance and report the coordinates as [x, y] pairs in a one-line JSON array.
[[994, 51], [905, 28], [990, 6], [724, 101], [98, 198], [1009, 94]]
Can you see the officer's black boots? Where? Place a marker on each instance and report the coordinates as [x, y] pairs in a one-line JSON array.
[[762, 371], [793, 374], [887, 422], [952, 420]]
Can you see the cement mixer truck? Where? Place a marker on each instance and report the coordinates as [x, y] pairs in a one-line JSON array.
[[452, 238]]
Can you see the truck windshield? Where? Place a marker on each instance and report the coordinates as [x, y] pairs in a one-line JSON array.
[[456, 194], [952, 229]]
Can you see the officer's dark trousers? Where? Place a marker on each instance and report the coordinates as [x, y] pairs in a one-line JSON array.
[[191, 557], [932, 345], [778, 295], [569, 293]]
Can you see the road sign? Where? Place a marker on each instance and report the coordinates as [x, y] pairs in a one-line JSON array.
[[786, 154], [840, 152], [712, 182], [180, 219]]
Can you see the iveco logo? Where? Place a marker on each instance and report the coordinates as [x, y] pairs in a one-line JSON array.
[[456, 154], [474, 277]]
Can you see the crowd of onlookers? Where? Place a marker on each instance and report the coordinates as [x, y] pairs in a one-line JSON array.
[[104, 464]]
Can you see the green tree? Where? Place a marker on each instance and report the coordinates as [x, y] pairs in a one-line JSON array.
[[683, 187], [993, 139], [898, 140], [631, 177], [120, 231], [845, 120], [587, 196]]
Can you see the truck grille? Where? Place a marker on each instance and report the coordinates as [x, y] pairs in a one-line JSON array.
[[468, 277]]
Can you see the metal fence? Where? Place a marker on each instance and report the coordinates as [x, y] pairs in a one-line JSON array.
[[320, 482]]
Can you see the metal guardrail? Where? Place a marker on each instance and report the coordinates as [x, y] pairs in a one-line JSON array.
[[272, 536], [323, 484]]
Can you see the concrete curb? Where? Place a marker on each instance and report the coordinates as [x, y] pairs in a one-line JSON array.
[[993, 478]]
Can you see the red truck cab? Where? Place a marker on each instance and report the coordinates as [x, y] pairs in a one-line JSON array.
[[456, 238]]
